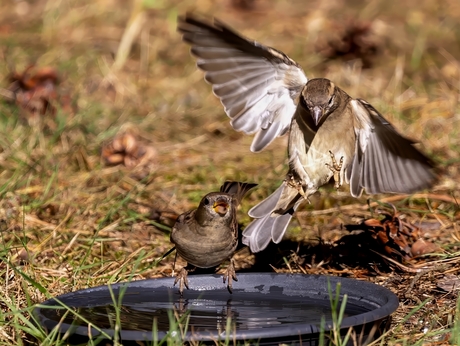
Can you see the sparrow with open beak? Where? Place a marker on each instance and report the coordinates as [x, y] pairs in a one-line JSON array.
[[331, 135], [208, 236]]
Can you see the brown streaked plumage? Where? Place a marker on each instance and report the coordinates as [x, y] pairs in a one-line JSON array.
[[207, 236], [331, 134]]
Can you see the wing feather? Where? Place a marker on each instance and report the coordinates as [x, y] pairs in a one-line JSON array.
[[384, 160], [257, 85]]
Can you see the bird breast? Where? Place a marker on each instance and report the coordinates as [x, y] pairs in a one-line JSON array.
[[309, 149], [207, 248]]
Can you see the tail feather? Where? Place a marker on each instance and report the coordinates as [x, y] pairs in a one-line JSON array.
[[280, 225], [256, 234], [267, 206], [268, 225], [237, 188]]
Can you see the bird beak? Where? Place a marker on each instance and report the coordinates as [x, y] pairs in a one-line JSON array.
[[317, 114], [220, 207]]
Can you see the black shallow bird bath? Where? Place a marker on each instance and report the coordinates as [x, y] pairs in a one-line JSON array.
[[264, 308]]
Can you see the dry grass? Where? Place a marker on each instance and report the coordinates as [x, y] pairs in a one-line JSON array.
[[68, 221]]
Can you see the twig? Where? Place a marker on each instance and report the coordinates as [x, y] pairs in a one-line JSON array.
[[400, 265], [133, 28], [358, 206]]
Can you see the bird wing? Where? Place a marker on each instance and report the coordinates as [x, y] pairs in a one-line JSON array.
[[181, 225], [257, 85], [384, 161]]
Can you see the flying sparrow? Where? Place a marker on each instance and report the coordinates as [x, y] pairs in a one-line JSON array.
[[207, 236], [331, 135]]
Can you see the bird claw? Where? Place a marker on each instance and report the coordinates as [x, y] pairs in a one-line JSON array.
[[296, 184], [181, 277], [230, 274], [336, 168]]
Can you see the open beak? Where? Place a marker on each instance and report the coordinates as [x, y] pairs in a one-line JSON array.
[[221, 207], [317, 114]]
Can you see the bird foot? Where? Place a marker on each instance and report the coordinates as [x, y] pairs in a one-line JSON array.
[[296, 184], [181, 308], [181, 277], [336, 168], [230, 274]]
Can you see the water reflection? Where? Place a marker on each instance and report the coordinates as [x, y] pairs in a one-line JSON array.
[[201, 311]]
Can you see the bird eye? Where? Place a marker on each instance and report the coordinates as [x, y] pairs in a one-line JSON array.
[[206, 201], [331, 101]]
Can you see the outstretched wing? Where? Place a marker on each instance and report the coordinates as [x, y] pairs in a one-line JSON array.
[[257, 85], [385, 161]]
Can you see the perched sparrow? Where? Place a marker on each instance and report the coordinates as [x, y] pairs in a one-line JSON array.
[[331, 134], [207, 236]]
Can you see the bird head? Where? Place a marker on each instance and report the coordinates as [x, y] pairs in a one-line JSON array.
[[320, 97], [214, 206]]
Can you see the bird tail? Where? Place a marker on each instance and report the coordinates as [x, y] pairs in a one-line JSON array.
[[267, 226], [258, 233], [267, 206], [237, 188]]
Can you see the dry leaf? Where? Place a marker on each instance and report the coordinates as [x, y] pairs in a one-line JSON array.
[[128, 150], [395, 235], [449, 283], [35, 91], [423, 247], [356, 42]]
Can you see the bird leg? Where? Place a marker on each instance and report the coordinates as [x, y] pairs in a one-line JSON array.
[[227, 315], [230, 274], [181, 277], [336, 168], [180, 310]]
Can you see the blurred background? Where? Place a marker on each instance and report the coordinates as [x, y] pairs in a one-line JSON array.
[[122, 62]]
